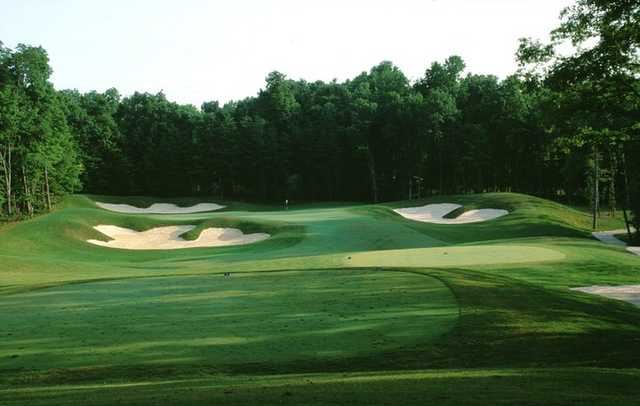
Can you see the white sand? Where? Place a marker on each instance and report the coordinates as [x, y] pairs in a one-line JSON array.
[[168, 238], [160, 208], [628, 293], [434, 213]]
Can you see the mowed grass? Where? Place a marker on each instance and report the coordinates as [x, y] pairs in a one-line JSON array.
[[531, 386], [223, 322], [513, 342], [345, 304]]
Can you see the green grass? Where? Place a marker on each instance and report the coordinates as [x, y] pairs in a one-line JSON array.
[[345, 304], [229, 322], [606, 220]]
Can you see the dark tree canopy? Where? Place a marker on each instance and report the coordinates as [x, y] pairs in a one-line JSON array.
[[564, 127]]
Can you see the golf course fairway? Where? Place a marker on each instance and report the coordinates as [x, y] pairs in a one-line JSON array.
[[342, 304]]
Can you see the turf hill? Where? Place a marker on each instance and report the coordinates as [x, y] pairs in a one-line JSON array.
[[344, 303]]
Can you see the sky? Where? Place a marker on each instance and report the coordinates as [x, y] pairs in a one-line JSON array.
[[199, 50]]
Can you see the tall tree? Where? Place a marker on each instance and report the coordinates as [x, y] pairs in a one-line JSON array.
[[38, 158], [602, 73], [439, 87]]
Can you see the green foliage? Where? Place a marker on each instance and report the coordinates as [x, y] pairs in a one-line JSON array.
[[38, 156], [91, 117], [596, 87], [377, 137]]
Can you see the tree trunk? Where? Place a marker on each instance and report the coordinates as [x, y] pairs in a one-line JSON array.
[[627, 223], [5, 161], [46, 188], [27, 193], [612, 184], [596, 188], [440, 170], [372, 172], [495, 180], [627, 195]]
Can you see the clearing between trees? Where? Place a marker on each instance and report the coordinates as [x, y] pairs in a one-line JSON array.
[[343, 303]]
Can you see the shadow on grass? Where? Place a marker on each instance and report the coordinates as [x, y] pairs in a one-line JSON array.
[[503, 323], [477, 387]]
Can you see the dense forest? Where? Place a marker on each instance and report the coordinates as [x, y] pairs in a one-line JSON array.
[[566, 127]]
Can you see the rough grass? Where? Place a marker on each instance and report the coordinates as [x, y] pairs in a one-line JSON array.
[[346, 304]]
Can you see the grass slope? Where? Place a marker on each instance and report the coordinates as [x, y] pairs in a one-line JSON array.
[[345, 304], [249, 318]]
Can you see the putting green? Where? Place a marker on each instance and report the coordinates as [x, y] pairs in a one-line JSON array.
[[216, 321], [455, 256]]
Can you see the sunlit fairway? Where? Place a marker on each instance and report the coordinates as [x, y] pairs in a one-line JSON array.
[[249, 318], [345, 303]]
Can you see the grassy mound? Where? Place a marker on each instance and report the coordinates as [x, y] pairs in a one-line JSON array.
[[344, 304]]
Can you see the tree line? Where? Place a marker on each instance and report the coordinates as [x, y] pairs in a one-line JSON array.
[[38, 151], [562, 127]]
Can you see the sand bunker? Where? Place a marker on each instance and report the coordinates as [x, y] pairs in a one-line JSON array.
[[434, 213], [628, 293], [160, 208], [168, 238]]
